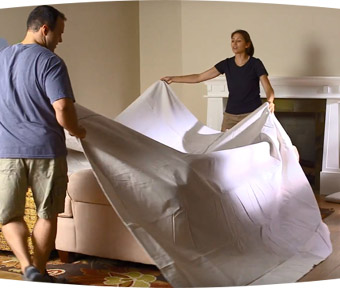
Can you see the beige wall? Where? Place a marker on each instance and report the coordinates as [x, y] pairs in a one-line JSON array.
[[115, 50], [160, 41], [100, 47], [290, 40]]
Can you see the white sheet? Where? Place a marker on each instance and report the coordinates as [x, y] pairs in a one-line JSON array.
[[211, 208]]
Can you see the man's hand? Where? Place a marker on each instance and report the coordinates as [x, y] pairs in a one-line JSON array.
[[79, 133], [67, 117]]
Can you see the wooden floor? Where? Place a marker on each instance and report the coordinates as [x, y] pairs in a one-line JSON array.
[[330, 268]]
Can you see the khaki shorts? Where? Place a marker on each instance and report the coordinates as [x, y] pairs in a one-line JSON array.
[[230, 120], [46, 177]]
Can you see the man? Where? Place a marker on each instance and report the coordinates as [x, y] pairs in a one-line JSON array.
[[36, 101], [3, 43]]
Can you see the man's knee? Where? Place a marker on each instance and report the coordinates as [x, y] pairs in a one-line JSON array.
[[16, 224], [46, 224], [7, 220]]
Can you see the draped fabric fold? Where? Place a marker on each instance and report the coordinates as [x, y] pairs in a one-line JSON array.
[[211, 208]]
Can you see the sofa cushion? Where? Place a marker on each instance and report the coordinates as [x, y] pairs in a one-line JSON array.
[[83, 187], [335, 197]]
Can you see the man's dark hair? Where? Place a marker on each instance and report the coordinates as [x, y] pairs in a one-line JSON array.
[[43, 15]]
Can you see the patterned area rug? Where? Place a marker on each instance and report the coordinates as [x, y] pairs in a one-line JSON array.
[[91, 271], [98, 271], [325, 212]]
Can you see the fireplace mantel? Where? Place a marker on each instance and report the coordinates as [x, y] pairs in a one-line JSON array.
[[327, 88]]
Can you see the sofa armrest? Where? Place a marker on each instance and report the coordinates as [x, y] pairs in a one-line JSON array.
[[67, 209], [83, 187]]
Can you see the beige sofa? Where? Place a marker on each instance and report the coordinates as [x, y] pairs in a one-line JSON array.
[[90, 225]]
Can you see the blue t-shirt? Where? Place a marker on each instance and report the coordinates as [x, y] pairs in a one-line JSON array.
[[31, 79], [243, 84]]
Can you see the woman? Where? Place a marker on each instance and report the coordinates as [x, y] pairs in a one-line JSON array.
[[243, 73]]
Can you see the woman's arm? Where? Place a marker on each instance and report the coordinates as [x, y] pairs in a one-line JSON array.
[[269, 91], [192, 78]]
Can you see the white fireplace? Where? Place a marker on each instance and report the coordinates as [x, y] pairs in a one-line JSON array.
[[327, 88]]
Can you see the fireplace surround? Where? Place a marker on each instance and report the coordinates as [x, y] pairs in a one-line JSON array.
[[318, 95]]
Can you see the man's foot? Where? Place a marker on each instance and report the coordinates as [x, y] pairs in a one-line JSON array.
[[51, 279], [32, 274]]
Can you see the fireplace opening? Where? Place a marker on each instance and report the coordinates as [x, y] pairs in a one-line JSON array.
[[304, 122]]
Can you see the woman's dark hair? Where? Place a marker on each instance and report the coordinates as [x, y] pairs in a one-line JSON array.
[[250, 50], [43, 15]]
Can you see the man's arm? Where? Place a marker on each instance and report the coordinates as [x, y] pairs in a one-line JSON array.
[[67, 117]]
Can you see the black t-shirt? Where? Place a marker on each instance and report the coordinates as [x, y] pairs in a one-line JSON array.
[[243, 84]]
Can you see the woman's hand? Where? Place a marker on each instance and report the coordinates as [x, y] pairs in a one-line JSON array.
[[167, 79], [271, 106]]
